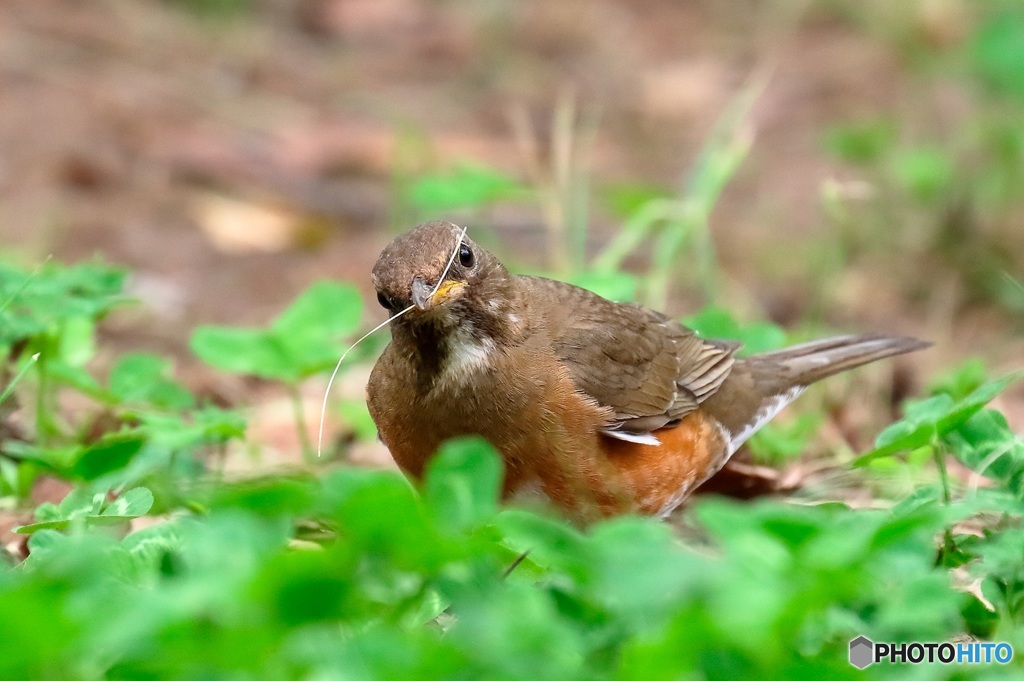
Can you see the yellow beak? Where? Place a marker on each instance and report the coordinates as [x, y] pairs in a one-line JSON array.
[[426, 299], [448, 290]]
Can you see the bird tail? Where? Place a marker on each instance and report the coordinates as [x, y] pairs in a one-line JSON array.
[[810, 362], [761, 385]]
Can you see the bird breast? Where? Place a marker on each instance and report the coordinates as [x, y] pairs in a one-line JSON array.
[[466, 356]]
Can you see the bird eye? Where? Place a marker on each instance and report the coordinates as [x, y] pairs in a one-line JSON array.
[[465, 256], [384, 301]]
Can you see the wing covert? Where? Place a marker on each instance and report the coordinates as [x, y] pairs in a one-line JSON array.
[[649, 369]]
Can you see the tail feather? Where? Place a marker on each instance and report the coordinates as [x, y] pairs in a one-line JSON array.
[[762, 385], [810, 362]]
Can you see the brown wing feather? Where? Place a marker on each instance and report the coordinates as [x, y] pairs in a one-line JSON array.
[[649, 369]]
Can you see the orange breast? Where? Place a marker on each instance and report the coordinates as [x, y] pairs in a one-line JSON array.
[[601, 476], [662, 476]]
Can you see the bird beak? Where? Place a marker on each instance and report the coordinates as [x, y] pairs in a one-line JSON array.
[[424, 297]]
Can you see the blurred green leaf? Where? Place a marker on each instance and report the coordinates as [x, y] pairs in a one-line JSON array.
[[81, 501], [206, 426], [998, 566], [987, 445], [358, 418], [75, 377], [863, 143], [922, 496], [714, 322], [144, 378], [216, 9], [997, 50], [326, 310], [624, 200], [303, 340], [88, 508], [467, 186], [613, 285], [780, 441], [931, 418], [244, 351], [77, 343], [960, 381], [267, 496], [463, 483], [54, 295], [925, 172], [131, 504], [111, 453]]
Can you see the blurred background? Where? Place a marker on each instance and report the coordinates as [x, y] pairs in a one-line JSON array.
[[820, 164]]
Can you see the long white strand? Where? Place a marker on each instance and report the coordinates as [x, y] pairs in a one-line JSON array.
[[327, 391]]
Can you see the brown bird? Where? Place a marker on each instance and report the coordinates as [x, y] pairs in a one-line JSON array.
[[602, 407]]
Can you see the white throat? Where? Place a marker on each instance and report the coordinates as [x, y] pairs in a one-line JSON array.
[[467, 356]]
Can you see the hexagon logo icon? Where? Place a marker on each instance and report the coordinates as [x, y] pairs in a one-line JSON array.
[[862, 652]]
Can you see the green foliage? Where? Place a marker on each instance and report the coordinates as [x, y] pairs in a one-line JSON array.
[[90, 508], [463, 483], [925, 173], [960, 381], [715, 322], [959, 425], [862, 142], [143, 378], [781, 441], [216, 9], [625, 200], [155, 443], [403, 587], [467, 186], [613, 285], [302, 341], [37, 307], [986, 444], [997, 51], [47, 324], [142, 424], [931, 421]]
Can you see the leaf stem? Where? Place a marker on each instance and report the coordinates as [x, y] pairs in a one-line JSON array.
[[299, 411], [17, 378], [939, 452], [46, 426]]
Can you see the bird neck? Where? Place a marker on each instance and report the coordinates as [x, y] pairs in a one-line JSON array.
[[452, 343]]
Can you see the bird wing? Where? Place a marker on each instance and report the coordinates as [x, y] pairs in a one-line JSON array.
[[650, 370]]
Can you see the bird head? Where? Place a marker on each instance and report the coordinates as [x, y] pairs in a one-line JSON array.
[[442, 276], [431, 267]]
